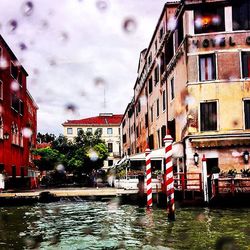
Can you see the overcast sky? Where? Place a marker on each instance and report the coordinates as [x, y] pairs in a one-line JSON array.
[[73, 49]]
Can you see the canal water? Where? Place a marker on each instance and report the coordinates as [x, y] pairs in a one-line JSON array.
[[108, 225]]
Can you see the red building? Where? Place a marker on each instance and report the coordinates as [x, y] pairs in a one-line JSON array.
[[18, 119]]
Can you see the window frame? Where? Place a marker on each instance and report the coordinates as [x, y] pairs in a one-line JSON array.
[[244, 113], [217, 116], [68, 131], [110, 147], [214, 66], [109, 129]]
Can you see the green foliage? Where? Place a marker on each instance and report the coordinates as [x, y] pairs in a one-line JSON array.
[[45, 137], [86, 153], [215, 170], [48, 158], [232, 172]]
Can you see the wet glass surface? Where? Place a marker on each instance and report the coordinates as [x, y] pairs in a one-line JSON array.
[[106, 225]]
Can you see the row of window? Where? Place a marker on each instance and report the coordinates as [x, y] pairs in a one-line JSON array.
[[70, 130], [207, 66], [209, 115], [212, 18], [16, 136]]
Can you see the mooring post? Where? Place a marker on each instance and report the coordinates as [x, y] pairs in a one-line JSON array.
[[204, 175], [148, 178], [169, 177]]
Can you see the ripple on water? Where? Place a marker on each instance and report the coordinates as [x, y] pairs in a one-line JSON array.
[[96, 225]]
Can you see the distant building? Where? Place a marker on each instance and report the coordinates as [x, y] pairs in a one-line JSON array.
[[108, 123], [194, 82], [18, 118]]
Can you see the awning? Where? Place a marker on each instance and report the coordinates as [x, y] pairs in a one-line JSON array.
[[138, 157], [220, 142], [120, 162]]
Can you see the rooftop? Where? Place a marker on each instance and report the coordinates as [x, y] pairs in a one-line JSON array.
[[102, 119]]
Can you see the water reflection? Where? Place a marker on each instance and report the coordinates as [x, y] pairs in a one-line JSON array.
[[103, 225]]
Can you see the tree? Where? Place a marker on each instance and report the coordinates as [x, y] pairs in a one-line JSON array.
[[48, 158], [45, 137]]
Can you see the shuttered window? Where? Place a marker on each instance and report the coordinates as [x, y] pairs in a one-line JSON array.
[[241, 15], [247, 113], [207, 67], [208, 116], [245, 64]]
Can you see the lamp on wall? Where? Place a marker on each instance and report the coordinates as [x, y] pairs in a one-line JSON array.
[[6, 136], [196, 158], [246, 157]]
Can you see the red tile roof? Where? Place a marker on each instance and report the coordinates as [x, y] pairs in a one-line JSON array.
[[97, 120]]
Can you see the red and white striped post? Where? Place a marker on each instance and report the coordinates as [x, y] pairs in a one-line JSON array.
[[169, 177], [148, 178]]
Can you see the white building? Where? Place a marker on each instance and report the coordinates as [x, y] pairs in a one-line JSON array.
[[109, 124]]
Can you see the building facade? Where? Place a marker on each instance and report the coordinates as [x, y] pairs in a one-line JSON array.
[[108, 123], [194, 83], [18, 119]]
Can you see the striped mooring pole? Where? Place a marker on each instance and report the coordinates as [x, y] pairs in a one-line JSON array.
[[148, 178], [169, 177]]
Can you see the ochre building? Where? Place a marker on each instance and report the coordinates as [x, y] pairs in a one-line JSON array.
[[194, 83]]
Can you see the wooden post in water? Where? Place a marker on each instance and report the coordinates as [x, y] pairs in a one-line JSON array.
[[169, 177], [148, 178]]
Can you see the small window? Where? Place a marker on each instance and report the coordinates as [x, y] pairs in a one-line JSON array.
[[150, 85], [69, 131], [14, 102], [20, 79], [152, 114], [110, 147], [21, 107], [208, 116], [172, 88], [207, 67], [245, 64], [241, 15], [163, 100], [109, 131], [156, 74], [89, 130], [161, 33], [99, 130], [146, 120], [163, 134], [110, 163], [1, 90], [79, 130], [14, 70], [149, 59], [124, 138], [247, 113], [157, 107]]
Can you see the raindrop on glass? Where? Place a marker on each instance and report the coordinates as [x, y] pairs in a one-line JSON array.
[[64, 37], [129, 25], [12, 25], [44, 24], [52, 62], [101, 5], [27, 132], [93, 155], [70, 107], [28, 8], [60, 168], [3, 63], [99, 81], [22, 46], [36, 71], [14, 86], [172, 22]]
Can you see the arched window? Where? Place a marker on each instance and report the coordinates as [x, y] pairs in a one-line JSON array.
[[14, 134], [21, 139], [1, 127]]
